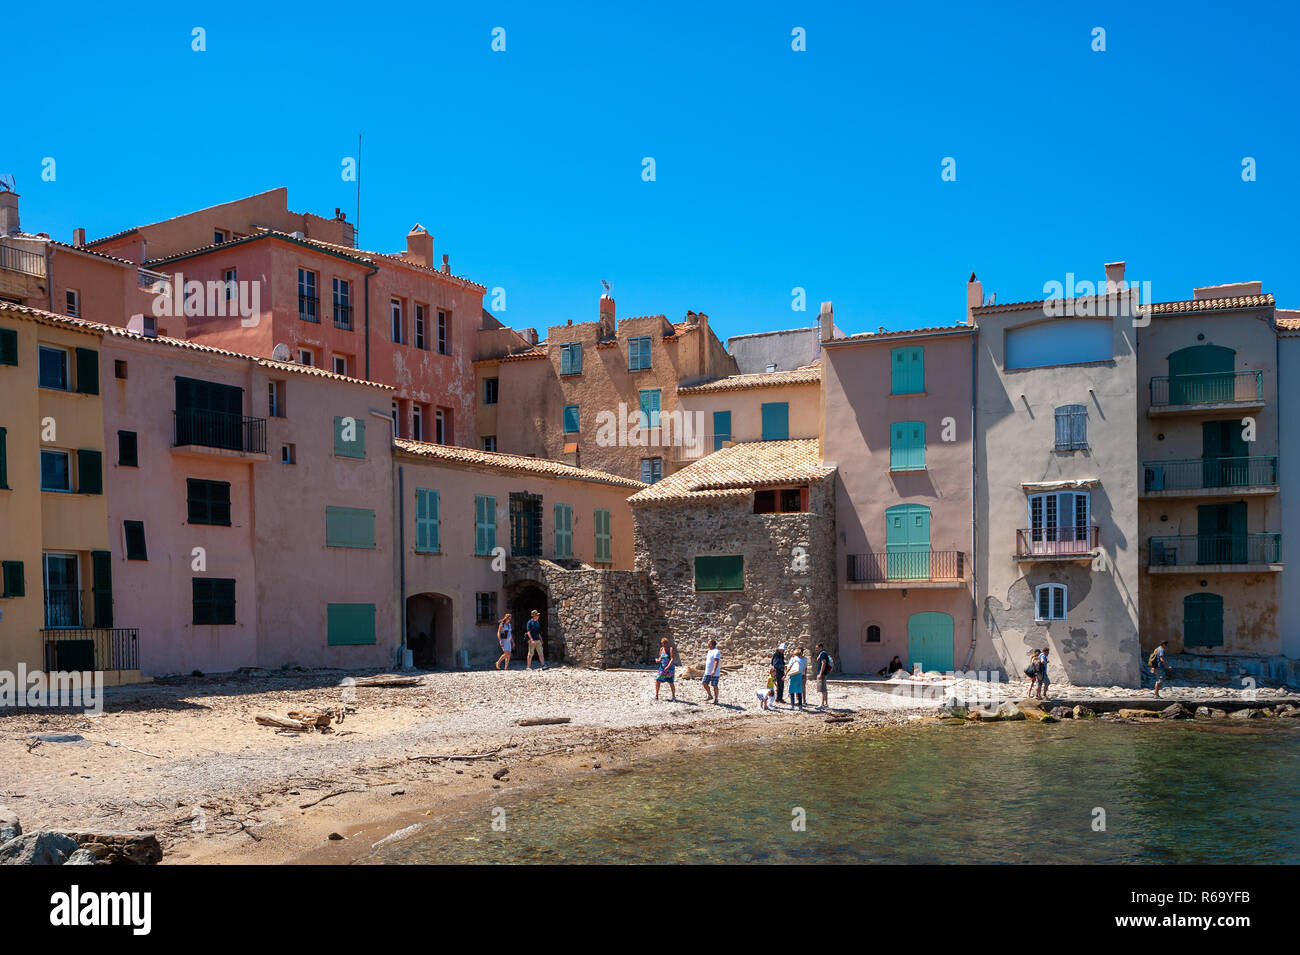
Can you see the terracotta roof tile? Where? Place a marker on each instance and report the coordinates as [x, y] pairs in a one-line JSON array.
[[516, 463], [902, 333], [737, 471], [1211, 304], [808, 375]]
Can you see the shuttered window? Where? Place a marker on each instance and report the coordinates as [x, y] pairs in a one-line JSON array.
[[485, 524], [12, 583], [907, 367], [128, 452], [720, 573], [208, 502], [603, 536], [570, 419], [135, 546], [638, 354], [426, 522], [349, 527], [214, 601], [721, 428], [1071, 428], [101, 566], [4, 460], [650, 408], [349, 437], [776, 421], [907, 446], [8, 346], [1050, 600], [87, 371], [350, 625], [90, 471], [563, 530], [652, 470], [571, 358]]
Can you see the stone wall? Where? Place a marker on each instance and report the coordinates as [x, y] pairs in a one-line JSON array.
[[789, 591]]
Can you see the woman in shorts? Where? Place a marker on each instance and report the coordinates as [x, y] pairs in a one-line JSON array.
[[506, 643], [667, 668]]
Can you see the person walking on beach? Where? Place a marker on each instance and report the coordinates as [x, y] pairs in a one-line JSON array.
[[1042, 673], [712, 670], [503, 639], [1159, 668], [778, 672], [667, 668], [534, 631], [1031, 670], [795, 675], [824, 666]]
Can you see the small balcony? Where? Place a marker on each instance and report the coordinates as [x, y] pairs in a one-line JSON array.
[[1206, 393], [343, 316], [220, 433], [14, 259], [81, 649], [1227, 553], [1210, 477], [1075, 543], [708, 443], [924, 570], [309, 308]]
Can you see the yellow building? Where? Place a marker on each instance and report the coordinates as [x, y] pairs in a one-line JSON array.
[[56, 590]]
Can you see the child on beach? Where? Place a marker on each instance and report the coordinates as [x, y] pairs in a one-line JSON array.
[[767, 698], [667, 668]]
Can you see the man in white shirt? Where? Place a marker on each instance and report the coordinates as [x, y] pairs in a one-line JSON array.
[[712, 669]]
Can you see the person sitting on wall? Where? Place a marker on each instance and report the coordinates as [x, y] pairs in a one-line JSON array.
[[894, 666]]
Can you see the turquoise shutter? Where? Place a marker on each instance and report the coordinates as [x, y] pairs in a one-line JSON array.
[[916, 370], [355, 448], [87, 371], [570, 419], [776, 421], [349, 527], [90, 472], [350, 624], [426, 521], [650, 406], [485, 524], [8, 346], [907, 446], [721, 428], [898, 371], [907, 371]]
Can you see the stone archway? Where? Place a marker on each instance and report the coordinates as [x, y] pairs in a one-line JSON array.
[[429, 634], [524, 599]]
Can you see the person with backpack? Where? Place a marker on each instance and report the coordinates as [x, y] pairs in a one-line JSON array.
[[1031, 670], [1159, 668], [824, 666], [1041, 667]]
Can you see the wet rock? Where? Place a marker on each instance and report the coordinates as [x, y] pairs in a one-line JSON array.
[[1175, 711], [1082, 712], [1062, 712], [38, 848], [82, 857], [1032, 711], [954, 710], [1247, 714], [1290, 713], [1132, 714], [1009, 711]]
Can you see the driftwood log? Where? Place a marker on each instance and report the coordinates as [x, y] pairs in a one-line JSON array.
[[543, 720], [281, 722], [388, 682]]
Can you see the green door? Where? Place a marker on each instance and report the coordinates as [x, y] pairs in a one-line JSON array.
[[1221, 533], [1223, 454], [907, 542], [1201, 373], [929, 641], [1202, 620]]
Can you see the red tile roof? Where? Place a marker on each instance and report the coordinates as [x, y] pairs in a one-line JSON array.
[[517, 463]]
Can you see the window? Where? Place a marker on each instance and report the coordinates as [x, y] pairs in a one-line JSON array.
[[288, 454], [571, 358], [275, 399], [350, 527], [218, 236], [208, 502], [485, 525], [87, 371], [72, 302], [570, 419], [444, 341], [1059, 523], [442, 425], [907, 446], [873, 633], [133, 531], [1049, 599], [907, 367], [307, 357], [720, 573], [417, 423], [1202, 620], [56, 470], [8, 346], [52, 368], [490, 391], [603, 536], [1061, 342], [485, 607], [90, 471], [343, 304], [62, 590], [650, 408], [350, 625], [771, 367], [563, 531], [426, 522], [308, 301], [525, 524], [638, 354], [786, 500], [119, 369], [396, 421], [421, 313], [395, 311], [721, 429], [214, 601], [1071, 428], [128, 455], [4, 459], [12, 583], [791, 500], [776, 421], [652, 470], [489, 442], [341, 365], [350, 437], [230, 277]]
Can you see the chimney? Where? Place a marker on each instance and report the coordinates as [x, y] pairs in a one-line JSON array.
[[79, 238], [826, 321], [1114, 277], [419, 246], [446, 264], [974, 298], [606, 309], [8, 212]]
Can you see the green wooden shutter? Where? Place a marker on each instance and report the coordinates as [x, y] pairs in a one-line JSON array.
[[485, 524], [650, 406], [355, 448], [563, 530], [101, 563], [721, 428], [426, 521], [907, 446], [907, 371], [916, 370], [601, 522], [4, 460], [135, 540], [12, 583], [570, 419], [8, 346], [350, 625], [720, 573], [776, 421], [223, 601], [87, 371], [349, 527], [90, 472]]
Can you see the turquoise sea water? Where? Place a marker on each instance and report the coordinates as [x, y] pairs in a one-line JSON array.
[[1002, 793]]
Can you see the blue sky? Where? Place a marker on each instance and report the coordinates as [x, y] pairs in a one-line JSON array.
[[774, 169]]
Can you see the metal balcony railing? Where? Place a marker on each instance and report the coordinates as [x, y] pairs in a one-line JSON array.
[[80, 649], [1208, 473], [14, 259], [922, 567], [1189, 551], [308, 308], [217, 429], [1069, 540], [343, 316], [1215, 387], [157, 282], [62, 608]]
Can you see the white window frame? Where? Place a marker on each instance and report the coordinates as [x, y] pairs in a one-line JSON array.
[[1053, 536], [421, 316], [45, 583], [1052, 590], [307, 357], [231, 279], [67, 366], [444, 333], [72, 302], [67, 456], [275, 398], [341, 365], [439, 427], [489, 439], [395, 314], [417, 423]]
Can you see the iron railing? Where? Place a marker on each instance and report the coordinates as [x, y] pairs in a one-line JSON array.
[[1206, 473], [217, 429], [80, 649], [1189, 551], [343, 316], [62, 608], [308, 308], [1208, 387], [14, 259], [158, 282], [1068, 540], [927, 566]]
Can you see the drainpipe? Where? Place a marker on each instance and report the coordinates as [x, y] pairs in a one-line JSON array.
[[974, 501], [401, 552], [372, 271]]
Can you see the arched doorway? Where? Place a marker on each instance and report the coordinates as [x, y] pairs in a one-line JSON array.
[[429, 634], [523, 601]]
